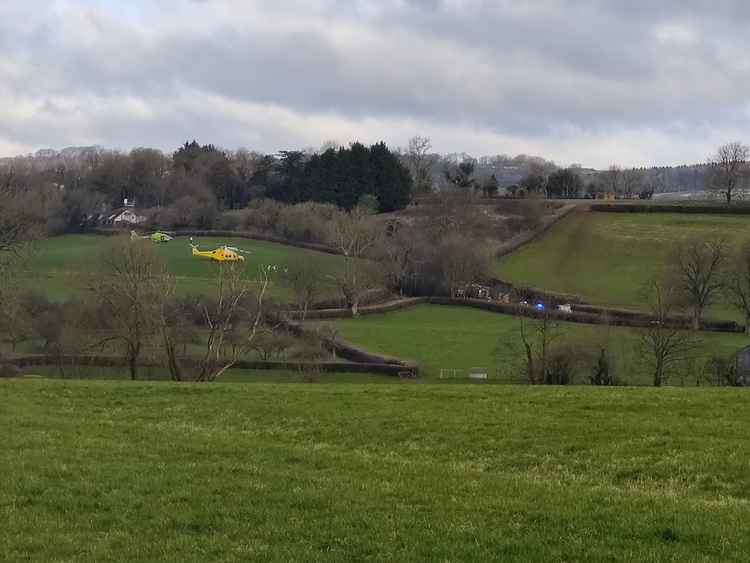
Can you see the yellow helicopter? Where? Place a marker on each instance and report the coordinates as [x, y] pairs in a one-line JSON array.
[[222, 253]]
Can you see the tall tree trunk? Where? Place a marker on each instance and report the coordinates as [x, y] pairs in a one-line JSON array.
[[747, 323], [133, 366], [658, 373], [133, 353], [696, 319], [529, 364], [170, 348]]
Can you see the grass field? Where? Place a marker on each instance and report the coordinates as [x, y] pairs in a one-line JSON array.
[[456, 337], [63, 266], [120, 471], [607, 257]]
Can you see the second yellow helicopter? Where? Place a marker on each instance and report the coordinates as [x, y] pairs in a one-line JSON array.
[[222, 253]]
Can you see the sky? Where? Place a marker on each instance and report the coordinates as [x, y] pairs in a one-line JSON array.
[[594, 82]]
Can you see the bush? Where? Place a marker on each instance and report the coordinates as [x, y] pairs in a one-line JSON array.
[[262, 215], [602, 373], [9, 370], [303, 222], [722, 371], [230, 220], [560, 368]]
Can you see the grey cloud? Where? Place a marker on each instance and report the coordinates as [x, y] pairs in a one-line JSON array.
[[516, 70]]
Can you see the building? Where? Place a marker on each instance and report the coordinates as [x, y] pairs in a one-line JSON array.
[[126, 216]]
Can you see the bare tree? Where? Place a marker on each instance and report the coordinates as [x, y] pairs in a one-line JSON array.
[[537, 340], [399, 255], [270, 343], [355, 235], [418, 158], [613, 179], [18, 223], [304, 279], [738, 283], [728, 169], [662, 344], [171, 321], [632, 181], [15, 321], [128, 292], [461, 261], [694, 270], [232, 321]]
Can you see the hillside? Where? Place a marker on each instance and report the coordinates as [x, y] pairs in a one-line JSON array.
[[606, 258], [65, 266]]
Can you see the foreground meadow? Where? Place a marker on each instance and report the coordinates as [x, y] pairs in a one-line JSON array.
[[121, 471], [443, 337], [66, 266], [606, 258]]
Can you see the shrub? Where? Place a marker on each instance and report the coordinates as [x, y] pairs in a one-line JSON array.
[[560, 368], [9, 370], [230, 220], [722, 371], [602, 372]]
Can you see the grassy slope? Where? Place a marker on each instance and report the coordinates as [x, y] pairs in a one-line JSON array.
[[112, 471], [455, 337], [62, 266], [607, 257]]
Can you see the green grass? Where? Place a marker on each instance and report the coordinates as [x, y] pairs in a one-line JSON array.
[[64, 266], [607, 257], [457, 337], [120, 471]]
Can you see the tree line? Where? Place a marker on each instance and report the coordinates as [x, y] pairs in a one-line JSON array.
[[195, 184]]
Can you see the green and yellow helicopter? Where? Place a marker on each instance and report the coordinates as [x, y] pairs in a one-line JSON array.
[[158, 236]]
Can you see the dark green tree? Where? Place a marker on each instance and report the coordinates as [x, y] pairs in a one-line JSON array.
[[392, 181]]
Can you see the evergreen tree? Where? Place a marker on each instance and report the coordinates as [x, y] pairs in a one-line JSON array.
[[392, 181]]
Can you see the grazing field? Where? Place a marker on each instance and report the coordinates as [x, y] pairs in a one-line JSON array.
[[607, 257], [64, 266], [439, 336], [120, 471]]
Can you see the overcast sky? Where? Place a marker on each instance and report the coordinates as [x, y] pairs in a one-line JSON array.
[[593, 82]]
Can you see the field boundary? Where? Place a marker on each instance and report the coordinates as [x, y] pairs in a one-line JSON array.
[[351, 352], [379, 365], [344, 312], [580, 312], [526, 237], [722, 209]]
